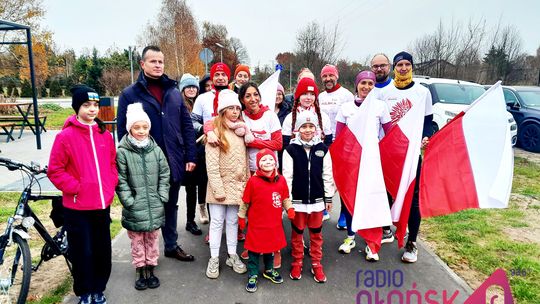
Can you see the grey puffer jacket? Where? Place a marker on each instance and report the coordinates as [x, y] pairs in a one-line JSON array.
[[143, 185]]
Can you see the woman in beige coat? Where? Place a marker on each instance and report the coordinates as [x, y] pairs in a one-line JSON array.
[[228, 172]]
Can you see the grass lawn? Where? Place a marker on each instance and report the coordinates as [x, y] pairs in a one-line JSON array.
[[43, 289], [56, 115], [476, 242]]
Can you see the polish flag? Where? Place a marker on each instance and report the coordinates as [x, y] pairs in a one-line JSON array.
[[358, 175], [400, 151], [469, 163]]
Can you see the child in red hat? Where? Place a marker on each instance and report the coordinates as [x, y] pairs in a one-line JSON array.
[[265, 195]]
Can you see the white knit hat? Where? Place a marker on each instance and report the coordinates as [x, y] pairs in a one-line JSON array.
[[227, 98], [135, 112], [306, 117]]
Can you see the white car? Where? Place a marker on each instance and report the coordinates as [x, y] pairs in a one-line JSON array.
[[451, 96]]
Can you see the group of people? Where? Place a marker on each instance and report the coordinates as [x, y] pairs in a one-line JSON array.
[[242, 163]]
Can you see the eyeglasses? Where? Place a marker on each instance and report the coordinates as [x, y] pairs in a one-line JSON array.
[[379, 66]]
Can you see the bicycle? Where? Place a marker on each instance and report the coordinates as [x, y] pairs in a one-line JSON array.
[[15, 257]]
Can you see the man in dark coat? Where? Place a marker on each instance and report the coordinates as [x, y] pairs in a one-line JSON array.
[[172, 130]]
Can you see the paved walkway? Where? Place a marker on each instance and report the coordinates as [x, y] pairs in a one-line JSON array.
[[183, 282]]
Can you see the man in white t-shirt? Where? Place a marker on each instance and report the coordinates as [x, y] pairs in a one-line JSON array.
[[205, 106], [334, 95], [400, 97]]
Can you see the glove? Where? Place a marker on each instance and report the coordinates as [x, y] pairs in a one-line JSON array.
[[291, 213], [242, 223]]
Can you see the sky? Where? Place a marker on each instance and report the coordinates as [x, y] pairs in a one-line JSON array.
[[267, 28]]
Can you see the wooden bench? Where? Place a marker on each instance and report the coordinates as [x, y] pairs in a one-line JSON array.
[[7, 129]]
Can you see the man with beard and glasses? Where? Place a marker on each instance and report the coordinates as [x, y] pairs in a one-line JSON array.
[[380, 65], [330, 100]]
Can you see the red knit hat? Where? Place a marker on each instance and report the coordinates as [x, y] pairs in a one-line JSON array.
[[220, 67], [330, 69], [241, 68], [305, 85], [264, 152]]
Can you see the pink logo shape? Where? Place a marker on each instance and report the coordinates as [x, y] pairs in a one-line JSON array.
[[498, 280]]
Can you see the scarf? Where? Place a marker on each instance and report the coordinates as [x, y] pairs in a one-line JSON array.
[[139, 143], [335, 88], [402, 81], [217, 89], [272, 178], [257, 115]]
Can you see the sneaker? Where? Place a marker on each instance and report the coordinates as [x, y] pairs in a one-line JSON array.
[[203, 214], [251, 285], [244, 255], [326, 215], [370, 256], [411, 253], [99, 298], [212, 270], [342, 223], [273, 276], [234, 261], [277, 259], [318, 273], [387, 236], [85, 299], [296, 272], [241, 236], [347, 245]]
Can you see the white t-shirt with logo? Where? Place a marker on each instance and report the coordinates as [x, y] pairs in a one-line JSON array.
[[331, 102], [204, 105], [400, 101], [262, 129], [348, 110]]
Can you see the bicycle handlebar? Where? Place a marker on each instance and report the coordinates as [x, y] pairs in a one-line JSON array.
[[15, 165]]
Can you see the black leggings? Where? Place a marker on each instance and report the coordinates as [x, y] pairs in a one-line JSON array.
[[414, 216], [89, 239]]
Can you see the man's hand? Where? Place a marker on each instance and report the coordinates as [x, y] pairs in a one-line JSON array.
[[425, 142], [190, 166]]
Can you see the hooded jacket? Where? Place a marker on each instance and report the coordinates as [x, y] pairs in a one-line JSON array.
[[82, 165], [172, 128], [143, 185]]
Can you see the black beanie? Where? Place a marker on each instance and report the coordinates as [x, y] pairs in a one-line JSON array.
[[403, 56], [80, 94]]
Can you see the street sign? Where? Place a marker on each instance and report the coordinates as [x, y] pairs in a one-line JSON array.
[[279, 67], [206, 55]]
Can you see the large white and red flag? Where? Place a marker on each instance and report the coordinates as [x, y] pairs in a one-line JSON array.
[[469, 163], [400, 152], [358, 175]]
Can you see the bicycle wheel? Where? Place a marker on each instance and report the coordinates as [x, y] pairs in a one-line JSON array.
[[15, 272]]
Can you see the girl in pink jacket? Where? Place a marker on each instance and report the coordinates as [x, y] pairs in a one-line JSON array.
[[83, 166]]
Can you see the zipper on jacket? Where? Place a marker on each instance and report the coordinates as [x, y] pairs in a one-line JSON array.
[[309, 175], [147, 189], [102, 197]]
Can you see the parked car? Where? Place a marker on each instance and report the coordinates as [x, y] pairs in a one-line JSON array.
[[450, 97], [524, 104]]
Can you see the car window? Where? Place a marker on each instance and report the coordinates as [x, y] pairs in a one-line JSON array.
[[530, 98], [457, 93], [509, 97]]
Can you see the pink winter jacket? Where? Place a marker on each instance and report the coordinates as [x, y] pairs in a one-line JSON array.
[[83, 166]]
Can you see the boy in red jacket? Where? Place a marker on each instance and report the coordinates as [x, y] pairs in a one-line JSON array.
[[265, 195]]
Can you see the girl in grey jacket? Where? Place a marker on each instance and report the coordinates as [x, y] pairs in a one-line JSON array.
[[143, 188]]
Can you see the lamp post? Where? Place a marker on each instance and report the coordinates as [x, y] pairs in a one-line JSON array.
[[130, 50], [221, 47]]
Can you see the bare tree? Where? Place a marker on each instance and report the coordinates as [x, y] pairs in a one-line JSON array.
[[316, 46], [239, 50]]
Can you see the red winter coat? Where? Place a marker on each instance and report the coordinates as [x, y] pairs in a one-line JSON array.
[[83, 166], [265, 229]]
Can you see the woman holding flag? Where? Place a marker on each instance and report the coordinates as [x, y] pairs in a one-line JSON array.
[[364, 83]]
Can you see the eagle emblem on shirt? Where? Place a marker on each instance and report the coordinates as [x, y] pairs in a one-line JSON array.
[[399, 110], [276, 199]]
